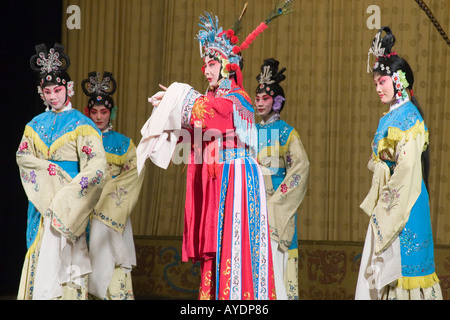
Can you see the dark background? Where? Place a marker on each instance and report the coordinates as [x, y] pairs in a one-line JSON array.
[[23, 25]]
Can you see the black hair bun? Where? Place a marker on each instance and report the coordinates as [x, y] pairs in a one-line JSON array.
[[388, 41]]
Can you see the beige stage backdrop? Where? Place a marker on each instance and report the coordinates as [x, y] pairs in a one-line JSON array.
[[331, 99]]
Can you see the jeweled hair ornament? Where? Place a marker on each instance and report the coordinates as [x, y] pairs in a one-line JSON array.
[[49, 61], [380, 49], [100, 89], [51, 66], [96, 85]]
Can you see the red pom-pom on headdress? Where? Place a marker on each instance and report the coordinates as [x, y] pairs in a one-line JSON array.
[[232, 67]]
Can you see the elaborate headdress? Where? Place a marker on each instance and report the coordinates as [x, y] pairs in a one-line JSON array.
[[99, 90], [216, 42], [381, 46], [50, 68], [269, 82], [389, 63]]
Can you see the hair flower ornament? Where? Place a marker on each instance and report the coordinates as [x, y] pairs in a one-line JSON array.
[[399, 79], [277, 103]]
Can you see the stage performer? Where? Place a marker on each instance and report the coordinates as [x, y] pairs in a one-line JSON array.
[[226, 221], [285, 167], [62, 165], [111, 244], [398, 257]]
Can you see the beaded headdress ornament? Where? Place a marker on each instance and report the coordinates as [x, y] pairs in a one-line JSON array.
[[50, 68], [99, 90]]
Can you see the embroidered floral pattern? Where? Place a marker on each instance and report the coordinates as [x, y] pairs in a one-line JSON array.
[[23, 146], [199, 111], [31, 178], [284, 188], [106, 219], [295, 181], [87, 151], [391, 197], [51, 169], [289, 160], [84, 182], [118, 195], [409, 241]]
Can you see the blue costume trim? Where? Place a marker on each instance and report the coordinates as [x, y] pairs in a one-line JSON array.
[[116, 143], [51, 126], [277, 131], [254, 220], [404, 118], [416, 239], [247, 104]]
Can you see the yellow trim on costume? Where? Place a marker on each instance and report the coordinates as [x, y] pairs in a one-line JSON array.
[[33, 246], [395, 135], [293, 253], [116, 159], [408, 283], [84, 130]]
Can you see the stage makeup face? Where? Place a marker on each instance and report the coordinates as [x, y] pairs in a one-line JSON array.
[[212, 71], [263, 104], [55, 96], [385, 88], [100, 115]]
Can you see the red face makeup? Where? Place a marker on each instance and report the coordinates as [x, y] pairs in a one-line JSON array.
[[211, 70], [100, 115], [385, 88], [263, 104], [55, 96]]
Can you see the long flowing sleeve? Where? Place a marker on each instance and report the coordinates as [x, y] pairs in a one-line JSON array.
[[285, 200], [120, 193], [67, 201], [41, 179]]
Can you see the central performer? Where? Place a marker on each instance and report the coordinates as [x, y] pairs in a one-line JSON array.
[[226, 221]]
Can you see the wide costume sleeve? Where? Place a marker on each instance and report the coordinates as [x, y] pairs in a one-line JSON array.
[[68, 202], [120, 193], [41, 179], [392, 197], [285, 201]]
